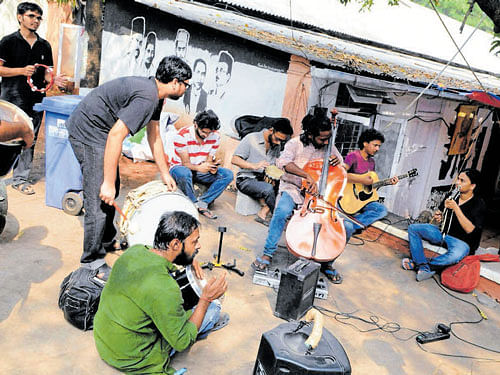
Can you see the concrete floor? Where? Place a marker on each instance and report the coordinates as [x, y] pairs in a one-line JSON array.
[[41, 245]]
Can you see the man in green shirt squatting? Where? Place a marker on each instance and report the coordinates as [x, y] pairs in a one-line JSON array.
[[141, 322]]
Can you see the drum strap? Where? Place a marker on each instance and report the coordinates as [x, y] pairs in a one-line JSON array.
[[137, 197]]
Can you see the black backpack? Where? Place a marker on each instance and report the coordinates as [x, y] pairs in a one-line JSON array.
[[251, 124], [79, 297]]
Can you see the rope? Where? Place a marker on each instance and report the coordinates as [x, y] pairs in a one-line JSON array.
[[439, 74], [455, 43]]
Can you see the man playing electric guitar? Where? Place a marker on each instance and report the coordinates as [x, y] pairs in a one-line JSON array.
[[357, 163]]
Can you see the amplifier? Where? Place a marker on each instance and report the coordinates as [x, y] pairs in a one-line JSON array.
[[297, 288], [272, 277], [283, 351]]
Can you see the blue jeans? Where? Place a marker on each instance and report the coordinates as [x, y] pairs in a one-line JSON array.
[[457, 249], [368, 215], [281, 214], [257, 190], [98, 228], [217, 183], [22, 167], [211, 317]]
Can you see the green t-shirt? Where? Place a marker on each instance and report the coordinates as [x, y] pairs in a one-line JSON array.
[[140, 316]]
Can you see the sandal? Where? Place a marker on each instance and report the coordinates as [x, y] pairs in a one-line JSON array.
[[407, 264], [333, 275], [260, 264], [262, 221], [25, 188], [207, 213]]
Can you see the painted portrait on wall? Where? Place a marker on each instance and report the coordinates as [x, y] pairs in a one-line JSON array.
[[463, 129], [228, 77]]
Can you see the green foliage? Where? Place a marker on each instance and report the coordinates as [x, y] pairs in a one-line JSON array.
[[367, 4], [457, 9]]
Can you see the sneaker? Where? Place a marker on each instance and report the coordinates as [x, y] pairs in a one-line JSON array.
[[424, 274]]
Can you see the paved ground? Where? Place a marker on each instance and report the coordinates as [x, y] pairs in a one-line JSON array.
[[41, 245]]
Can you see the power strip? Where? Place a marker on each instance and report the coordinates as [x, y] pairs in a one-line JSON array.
[[427, 337], [442, 333]]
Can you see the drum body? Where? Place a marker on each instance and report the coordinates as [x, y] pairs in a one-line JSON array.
[[190, 286], [144, 207], [10, 151]]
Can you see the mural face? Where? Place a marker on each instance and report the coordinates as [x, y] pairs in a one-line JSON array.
[[228, 77]]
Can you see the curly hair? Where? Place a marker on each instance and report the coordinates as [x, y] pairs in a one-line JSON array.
[[370, 135]]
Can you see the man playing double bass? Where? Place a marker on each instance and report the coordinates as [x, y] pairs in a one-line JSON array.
[[317, 130]]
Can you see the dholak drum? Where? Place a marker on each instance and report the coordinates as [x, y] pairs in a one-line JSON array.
[[144, 207], [272, 175], [191, 287], [10, 151]]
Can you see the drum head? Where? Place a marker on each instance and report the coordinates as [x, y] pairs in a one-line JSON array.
[[144, 221]]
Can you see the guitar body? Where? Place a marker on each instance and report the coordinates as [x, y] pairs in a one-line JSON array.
[[356, 196]]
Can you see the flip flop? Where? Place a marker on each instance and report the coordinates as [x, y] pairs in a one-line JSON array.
[[223, 321], [25, 188], [333, 275], [207, 213], [262, 221], [407, 264], [260, 264]]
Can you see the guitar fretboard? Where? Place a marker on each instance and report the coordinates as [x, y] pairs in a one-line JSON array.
[[387, 181]]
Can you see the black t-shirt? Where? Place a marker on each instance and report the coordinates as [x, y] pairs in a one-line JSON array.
[[474, 210], [134, 100], [16, 52]]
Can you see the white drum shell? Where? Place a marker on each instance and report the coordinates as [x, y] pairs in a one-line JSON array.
[[143, 222]]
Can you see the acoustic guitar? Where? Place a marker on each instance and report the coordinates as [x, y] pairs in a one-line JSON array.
[[357, 195]]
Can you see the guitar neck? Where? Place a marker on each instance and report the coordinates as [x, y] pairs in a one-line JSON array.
[[387, 181]]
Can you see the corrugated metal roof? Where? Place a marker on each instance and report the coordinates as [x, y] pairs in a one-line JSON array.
[[408, 26], [326, 49]]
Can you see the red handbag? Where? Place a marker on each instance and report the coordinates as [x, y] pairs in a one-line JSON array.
[[464, 276]]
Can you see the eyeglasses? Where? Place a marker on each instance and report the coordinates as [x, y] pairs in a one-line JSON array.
[[33, 16], [188, 85]]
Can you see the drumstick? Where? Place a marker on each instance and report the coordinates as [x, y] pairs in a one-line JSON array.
[[119, 210]]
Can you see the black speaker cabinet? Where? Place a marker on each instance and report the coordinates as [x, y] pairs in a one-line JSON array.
[[282, 351], [297, 288]]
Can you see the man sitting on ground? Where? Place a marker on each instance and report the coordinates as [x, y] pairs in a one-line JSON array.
[[462, 229], [141, 322], [194, 161], [255, 152]]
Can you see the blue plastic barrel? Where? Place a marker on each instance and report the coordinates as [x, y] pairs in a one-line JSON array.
[[62, 170]]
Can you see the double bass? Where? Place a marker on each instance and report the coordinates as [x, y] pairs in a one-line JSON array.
[[316, 231]]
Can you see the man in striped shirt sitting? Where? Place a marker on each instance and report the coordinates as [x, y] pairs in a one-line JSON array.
[[194, 161]]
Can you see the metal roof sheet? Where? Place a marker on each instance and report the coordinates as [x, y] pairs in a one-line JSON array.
[[409, 26], [326, 49]]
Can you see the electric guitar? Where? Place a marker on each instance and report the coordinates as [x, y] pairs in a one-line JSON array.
[[357, 195]]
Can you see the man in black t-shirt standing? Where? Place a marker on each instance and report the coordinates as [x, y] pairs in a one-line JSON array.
[[97, 128], [19, 52], [463, 223]]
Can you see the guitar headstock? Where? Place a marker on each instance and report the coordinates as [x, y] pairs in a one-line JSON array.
[[413, 172]]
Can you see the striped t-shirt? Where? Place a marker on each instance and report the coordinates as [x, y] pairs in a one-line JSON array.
[[185, 141]]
